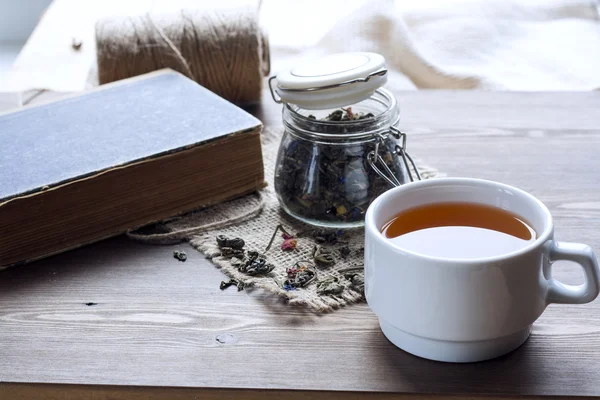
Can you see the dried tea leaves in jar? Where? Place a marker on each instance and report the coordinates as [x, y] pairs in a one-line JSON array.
[[345, 114], [331, 182]]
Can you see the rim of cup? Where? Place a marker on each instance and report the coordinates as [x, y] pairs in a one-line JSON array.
[[374, 231]]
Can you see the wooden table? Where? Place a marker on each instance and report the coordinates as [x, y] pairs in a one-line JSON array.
[[162, 329]]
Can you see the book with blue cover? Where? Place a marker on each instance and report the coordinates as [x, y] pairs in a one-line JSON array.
[[123, 155]]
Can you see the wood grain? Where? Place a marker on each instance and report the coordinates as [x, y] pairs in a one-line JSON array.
[[159, 323], [91, 392]]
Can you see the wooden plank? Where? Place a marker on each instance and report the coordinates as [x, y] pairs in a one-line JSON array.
[[499, 110], [164, 324], [88, 392]]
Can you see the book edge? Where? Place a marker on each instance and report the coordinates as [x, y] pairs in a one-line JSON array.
[[91, 175], [120, 232], [251, 187]]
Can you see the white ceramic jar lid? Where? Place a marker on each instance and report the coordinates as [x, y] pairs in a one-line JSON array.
[[335, 80]]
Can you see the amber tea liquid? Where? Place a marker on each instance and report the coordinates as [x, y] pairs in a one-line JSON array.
[[459, 230]]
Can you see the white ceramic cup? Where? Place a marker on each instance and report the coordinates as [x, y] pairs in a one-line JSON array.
[[473, 309]]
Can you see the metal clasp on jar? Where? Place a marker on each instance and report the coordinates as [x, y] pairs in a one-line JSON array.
[[374, 158]]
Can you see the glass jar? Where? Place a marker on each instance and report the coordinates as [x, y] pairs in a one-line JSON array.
[[328, 172]]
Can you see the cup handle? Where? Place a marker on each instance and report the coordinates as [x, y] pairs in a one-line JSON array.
[[583, 255]]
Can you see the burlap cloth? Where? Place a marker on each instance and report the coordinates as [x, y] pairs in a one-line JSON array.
[[254, 219]]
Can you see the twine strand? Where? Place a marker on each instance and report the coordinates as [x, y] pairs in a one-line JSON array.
[[172, 47]]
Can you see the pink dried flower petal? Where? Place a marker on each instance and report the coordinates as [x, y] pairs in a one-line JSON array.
[[289, 244]]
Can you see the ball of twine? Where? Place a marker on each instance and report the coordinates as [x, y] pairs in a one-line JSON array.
[[225, 51]]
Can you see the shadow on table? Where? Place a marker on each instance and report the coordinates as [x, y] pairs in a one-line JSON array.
[[520, 372], [112, 257]]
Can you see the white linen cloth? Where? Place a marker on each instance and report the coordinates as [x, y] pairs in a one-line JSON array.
[[443, 44], [528, 45]]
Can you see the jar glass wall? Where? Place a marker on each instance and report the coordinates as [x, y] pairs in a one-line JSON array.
[[322, 174]]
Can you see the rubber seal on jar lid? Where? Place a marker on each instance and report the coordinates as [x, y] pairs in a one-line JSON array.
[[335, 80]]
